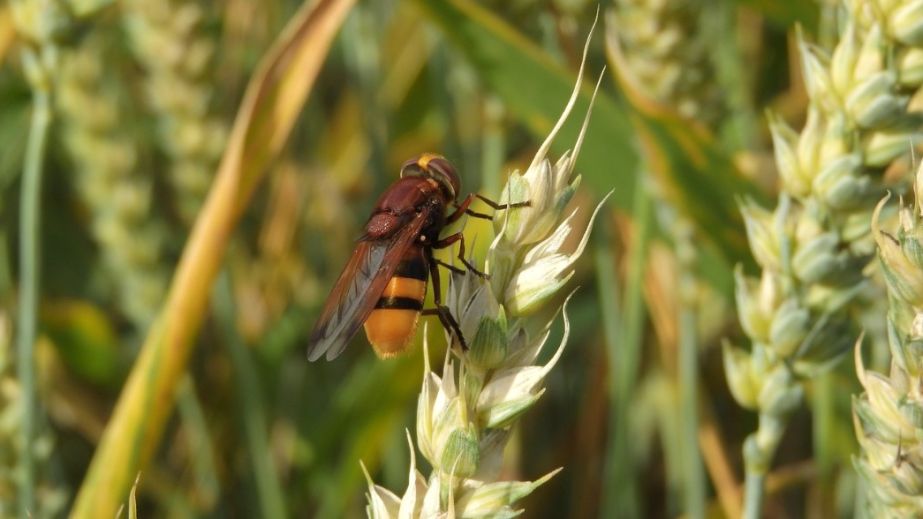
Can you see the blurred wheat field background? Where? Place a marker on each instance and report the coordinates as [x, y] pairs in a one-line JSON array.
[[181, 182]]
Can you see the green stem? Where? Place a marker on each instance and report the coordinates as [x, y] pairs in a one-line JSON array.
[[611, 315], [621, 477], [272, 502], [759, 450], [608, 287], [634, 302], [753, 494], [29, 260], [824, 420], [693, 468], [196, 428], [739, 130], [6, 276]]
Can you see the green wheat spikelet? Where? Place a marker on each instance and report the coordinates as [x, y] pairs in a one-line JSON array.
[[664, 50], [168, 39], [888, 416], [106, 173]]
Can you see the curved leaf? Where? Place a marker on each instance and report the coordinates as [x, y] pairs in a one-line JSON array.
[[534, 88]]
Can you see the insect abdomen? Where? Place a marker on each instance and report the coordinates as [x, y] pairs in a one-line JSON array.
[[392, 323]]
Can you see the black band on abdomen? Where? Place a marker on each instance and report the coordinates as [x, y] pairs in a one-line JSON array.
[[399, 303], [412, 268]]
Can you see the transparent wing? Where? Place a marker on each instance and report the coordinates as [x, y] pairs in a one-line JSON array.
[[358, 288]]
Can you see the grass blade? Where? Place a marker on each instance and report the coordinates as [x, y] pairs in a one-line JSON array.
[[694, 494], [622, 499], [823, 405], [197, 435], [271, 498]]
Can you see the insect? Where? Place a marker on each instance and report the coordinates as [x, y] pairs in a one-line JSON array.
[[383, 285]]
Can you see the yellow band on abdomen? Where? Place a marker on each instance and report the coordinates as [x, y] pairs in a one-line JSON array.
[[405, 287]]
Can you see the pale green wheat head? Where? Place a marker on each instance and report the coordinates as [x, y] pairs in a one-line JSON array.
[[465, 414], [888, 415]]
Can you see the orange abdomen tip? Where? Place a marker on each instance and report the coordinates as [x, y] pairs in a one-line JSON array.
[[389, 331], [391, 326]]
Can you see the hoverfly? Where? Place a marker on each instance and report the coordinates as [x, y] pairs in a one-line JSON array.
[[383, 285]]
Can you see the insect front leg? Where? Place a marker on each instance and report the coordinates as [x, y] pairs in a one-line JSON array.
[[460, 238], [460, 209], [464, 208], [496, 207], [445, 316]]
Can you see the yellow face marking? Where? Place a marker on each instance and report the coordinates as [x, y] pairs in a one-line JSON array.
[[425, 158]]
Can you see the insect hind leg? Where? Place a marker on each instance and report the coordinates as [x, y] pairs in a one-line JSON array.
[[448, 322], [453, 268], [460, 238], [445, 316]]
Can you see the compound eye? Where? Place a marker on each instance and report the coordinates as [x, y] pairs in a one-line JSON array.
[[411, 167], [442, 166], [444, 172]]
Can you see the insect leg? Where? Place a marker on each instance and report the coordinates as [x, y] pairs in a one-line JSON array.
[[464, 208], [445, 316], [475, 214], [448, 322], [453, 268], [460, 238], [447, 241], [461, 209], [497, 206]]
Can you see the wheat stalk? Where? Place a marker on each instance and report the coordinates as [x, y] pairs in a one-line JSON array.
[[40, 24], [813, 246], [464, 416]]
